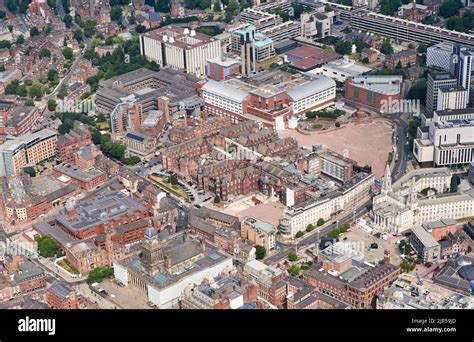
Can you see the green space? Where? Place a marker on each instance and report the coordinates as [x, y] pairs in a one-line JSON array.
[[47, 246], [166, 184], [64, 263], [342, 229], [99, 273]]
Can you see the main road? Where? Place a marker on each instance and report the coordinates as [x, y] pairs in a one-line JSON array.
[[312, 239]]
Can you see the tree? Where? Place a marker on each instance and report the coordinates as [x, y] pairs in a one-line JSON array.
[[68, 53], [162, 6], [173, 180], [418, 91], [22, 90], [386, 48], [52, 105], [294, 270], [449, 8], [20, 39], [67, 21], [29, 103], [365, 60], [292, 256], [5, 44], [299, 234], [116, 14], [320, 222], [140, 28], [260, 252], [62, 92], [217, 200], [30, 171], [52, 74], [99, 273], [44, 53], [422, 48], [337, 124], [36, 90], [47, 246], [310, 228], [343, 47], [34, 31], [455, 23], [453, 187], [217, 6]]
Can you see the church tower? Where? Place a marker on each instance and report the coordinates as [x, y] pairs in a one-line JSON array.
[[152, 253], [387, 180]]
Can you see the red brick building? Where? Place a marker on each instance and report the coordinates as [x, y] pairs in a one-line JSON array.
[[378, 92], [405, 58], [72, 142], [59, 296], [29, 277]]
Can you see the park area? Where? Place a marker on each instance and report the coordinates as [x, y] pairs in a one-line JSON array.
[[166, 184], [366, 143]]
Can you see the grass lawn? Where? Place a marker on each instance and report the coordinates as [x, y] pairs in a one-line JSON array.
[[68, 267], [175, 189]]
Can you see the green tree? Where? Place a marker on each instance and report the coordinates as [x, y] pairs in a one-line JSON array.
[[299, 234], [455, 23], [292, 256], [310, 228], [343, 47], [294, 270], [98, 274], [30, 171], [140, 28], [20, 39], [44, 53], [320, 222], [52, 105], [52, 74], [217, 200], [418, 91], [34, 31], [62, 92], [260, 252], [29, 103], [386, 48], [47, 246], [365, 60], [337, 124], [422, 48], [5, 44], [116, 14], [68, 53], [453, 187], [36, 90], [22, 90], [217, 6], [449, 8]]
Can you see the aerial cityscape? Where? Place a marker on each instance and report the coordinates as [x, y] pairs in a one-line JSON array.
[[224, 154]]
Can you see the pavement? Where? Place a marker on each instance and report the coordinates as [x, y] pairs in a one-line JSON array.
[[310, 239]]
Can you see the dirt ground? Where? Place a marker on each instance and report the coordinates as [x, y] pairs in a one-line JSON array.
[[366, 143]]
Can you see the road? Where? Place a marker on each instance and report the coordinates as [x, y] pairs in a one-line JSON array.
[[401, 156], [312, 239]]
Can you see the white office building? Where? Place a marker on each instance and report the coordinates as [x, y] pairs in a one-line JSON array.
[[446, 139], [347, 198], [454, 97], [402, 205], [439, 56], [180, 49]]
